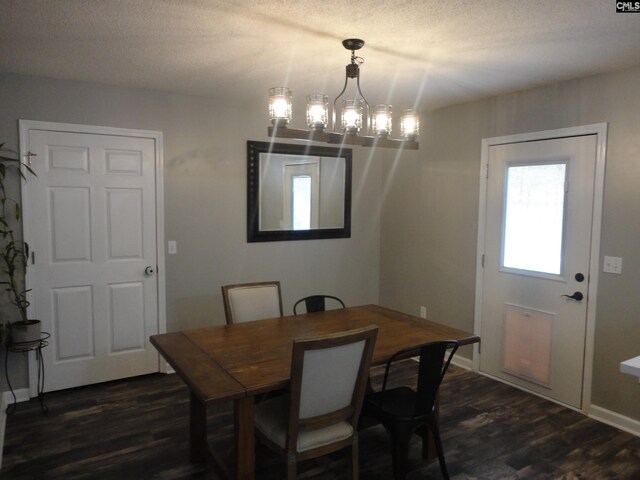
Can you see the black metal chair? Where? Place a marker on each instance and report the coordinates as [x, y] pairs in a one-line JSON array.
[[404, 411], [316, 303]]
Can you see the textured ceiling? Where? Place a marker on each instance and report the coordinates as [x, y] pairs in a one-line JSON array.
[[424, 52]]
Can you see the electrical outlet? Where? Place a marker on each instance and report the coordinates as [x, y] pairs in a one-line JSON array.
[[612, 265], [423, 312]]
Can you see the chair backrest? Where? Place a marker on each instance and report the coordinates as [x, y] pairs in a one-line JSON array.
[[246, 302], [315, 303], [431, 370], [329, 376]]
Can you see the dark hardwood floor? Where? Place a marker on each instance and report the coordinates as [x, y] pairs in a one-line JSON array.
[[137, 429]]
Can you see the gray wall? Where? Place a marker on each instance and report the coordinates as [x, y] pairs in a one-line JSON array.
[[423, 248], [205, 198], [430, 213]]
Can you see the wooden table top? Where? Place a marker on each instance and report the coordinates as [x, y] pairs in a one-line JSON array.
[[230, 361]]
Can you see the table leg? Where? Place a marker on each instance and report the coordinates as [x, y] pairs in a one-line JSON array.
[[428, 443], [197, 430], [245, 438]]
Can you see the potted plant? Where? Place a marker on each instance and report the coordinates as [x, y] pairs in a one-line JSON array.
[[14, 254]]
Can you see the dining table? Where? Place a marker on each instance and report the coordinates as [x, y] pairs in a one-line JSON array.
[[240, 362]]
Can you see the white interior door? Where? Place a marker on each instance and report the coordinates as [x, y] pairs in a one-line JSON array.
[[91, 224], [537, 247]]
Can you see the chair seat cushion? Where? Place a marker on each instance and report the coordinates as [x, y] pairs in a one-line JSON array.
[[399, 403], [272, 419]]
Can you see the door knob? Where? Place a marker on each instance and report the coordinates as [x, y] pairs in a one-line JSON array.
[[149, 270], [576, 296]]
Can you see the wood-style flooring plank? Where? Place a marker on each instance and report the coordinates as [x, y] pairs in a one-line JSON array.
[[138, 429]]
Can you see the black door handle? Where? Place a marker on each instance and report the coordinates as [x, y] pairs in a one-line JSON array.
[[576, 296]]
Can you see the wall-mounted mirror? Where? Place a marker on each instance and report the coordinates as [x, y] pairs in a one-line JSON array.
[[297, 192]]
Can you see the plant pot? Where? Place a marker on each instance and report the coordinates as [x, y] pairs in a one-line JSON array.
[[25, 331]]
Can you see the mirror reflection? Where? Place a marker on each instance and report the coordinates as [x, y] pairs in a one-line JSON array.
[[298, 192]]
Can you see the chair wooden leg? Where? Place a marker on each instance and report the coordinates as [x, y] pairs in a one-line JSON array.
[[355, 463], [292, 470]]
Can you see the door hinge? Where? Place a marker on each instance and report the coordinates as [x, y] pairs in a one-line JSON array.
[[483, 260], [28, 157], [486, 172], [33, 257]]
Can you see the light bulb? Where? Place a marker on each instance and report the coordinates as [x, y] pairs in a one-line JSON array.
[[409, 125], [317, 111], [351, 116], [280, 105], [381, 120]]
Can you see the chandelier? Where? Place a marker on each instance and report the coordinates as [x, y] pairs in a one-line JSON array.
[[356, 124]]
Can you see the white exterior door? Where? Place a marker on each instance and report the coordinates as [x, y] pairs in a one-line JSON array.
[[301, 195], [91, 223], [537, 264]]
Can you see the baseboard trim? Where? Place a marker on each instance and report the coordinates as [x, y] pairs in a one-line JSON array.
[[462, 362], [22, 395], [614, 419]]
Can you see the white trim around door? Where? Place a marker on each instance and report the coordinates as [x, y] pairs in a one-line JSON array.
[[600, 130]]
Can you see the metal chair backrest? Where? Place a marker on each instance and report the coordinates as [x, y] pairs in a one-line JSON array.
[[434, 363], [315, 303]]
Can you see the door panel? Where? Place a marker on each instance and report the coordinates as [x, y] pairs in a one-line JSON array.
[[124, 223], [73, 340], [92, 228], [126, 308], [70, 224], [532, 334]]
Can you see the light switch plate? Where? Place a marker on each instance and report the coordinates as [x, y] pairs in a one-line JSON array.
[[423, 312], [612, 265], [172, 247]]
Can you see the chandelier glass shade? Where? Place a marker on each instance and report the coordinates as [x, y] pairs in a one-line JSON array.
[[358, 124], [317, 111], [280, 105], [381, 120]]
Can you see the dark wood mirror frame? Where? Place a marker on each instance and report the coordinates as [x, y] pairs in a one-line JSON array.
[[254, 234]]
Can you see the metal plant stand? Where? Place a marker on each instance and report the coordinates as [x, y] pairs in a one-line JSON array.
[[25, 347]]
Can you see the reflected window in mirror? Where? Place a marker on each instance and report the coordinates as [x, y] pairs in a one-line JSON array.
[[297, 192]]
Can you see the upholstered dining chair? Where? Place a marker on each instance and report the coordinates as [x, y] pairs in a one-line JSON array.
[[320, 414], [316, 303], [245, 302], [404, 411]]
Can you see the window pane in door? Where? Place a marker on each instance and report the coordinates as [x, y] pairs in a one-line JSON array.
[[301, 189], [534, 214]]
